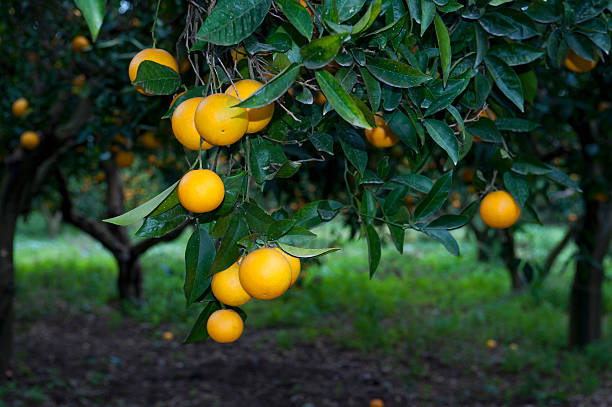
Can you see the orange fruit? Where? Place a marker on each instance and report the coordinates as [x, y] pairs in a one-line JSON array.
[[499, 210], [491, 343], [600, 197], [576, 63], [487, 114], [218, 122], [294, 263], [201, 191], [381, 136], [603, 106], [29, 140], [238, 54], [20, 107], [227, 289], [79, 80], [224, 326], [79, 43], [467, 175], [124, 159], [183, 125], [184, 65], [259, 117], [168, 336], [157, 55], [148, 140], [320, 98], [377, 403], [572, 217], [265, 274]]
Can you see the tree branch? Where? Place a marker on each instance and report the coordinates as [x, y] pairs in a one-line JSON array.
[[556, 251], [141, 247]]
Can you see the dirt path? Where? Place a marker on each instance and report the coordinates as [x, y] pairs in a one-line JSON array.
[[97, 361]]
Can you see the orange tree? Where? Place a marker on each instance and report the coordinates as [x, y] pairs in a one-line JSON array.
[[337, 80]]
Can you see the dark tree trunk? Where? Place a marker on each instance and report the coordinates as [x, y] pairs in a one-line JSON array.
[[593, 240], [129, 282], [7, 289], [508, 254]]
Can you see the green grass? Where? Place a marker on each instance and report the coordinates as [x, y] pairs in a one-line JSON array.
[[425, 301]]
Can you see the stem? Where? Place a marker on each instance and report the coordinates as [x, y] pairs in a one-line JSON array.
[[155, 24]]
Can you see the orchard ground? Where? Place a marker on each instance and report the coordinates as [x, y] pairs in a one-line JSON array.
[[429, 329]]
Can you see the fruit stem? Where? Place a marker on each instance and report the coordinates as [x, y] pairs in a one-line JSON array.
[[155, 23]]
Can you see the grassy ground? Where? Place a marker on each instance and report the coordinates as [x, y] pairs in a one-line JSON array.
[[423, 306]]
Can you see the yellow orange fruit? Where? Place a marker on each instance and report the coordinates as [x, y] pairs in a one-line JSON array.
[[491, 343], [227, 289], [178, 95], [79, 80], [168, 336], [572, 217], [224, 326], [320, 98], [218, 122], [265, 274], [20, 107], [148, 140], [201, 191], [183, 125], [157, 55], [124, 159], [576, 63], [381, 136], [488, 114], [259, 117], [238, 54], [377, 403], [294, 263], [499, 210], [79, 43], [29, 140]]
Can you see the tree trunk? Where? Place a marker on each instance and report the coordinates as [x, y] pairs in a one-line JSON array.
[[130, 279], [508, 254], [7, 291]]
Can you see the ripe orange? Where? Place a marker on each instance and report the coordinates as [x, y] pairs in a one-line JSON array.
[[29, 140], [79, 43], [79, 81], [491, 343], [572, 217], [20, 107], [576, 63], [265, 274], [178, 95], [488, 114], [218, 122], [183, 125], [224, 326], [201, 191], [600, 197], [320, 98], [168, 336], [148, 140], [238, 54], [381, 136], [499, 210], [258, 118], [377, 403], [467, 175], [160, 56], [294, 263], [124, 159], [227, 289]]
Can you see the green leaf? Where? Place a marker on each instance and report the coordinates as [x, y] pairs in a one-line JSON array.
[[258, 220], [372, 87], [448, 222], [517, 186], [515, 124], [516, 53], [428, 10], [288, 169], [272, 90], [199, 332], [93, 12], [321, 51], [322, 142], [231, 21], [368, 18], [417, 182], [435, 198], [158, 226], [297, 235], [529, 165], [374, 248], [280, 228], [341, 101], [348, 8], [229, 251], [354, 148], [298, 15], [368, 205], [443, 96], [403, 127], [529, 80], [485, 129], [562, 178], [444, 137], [310, 215], [142, 210], [306, 253], [395, 73], [157, 79], [444, 237], [191, 93], [199, 256], [506, 80], [443, 45]]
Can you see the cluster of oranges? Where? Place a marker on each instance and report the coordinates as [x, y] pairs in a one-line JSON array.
[[29, 139], [264, 274], [200, 123]]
